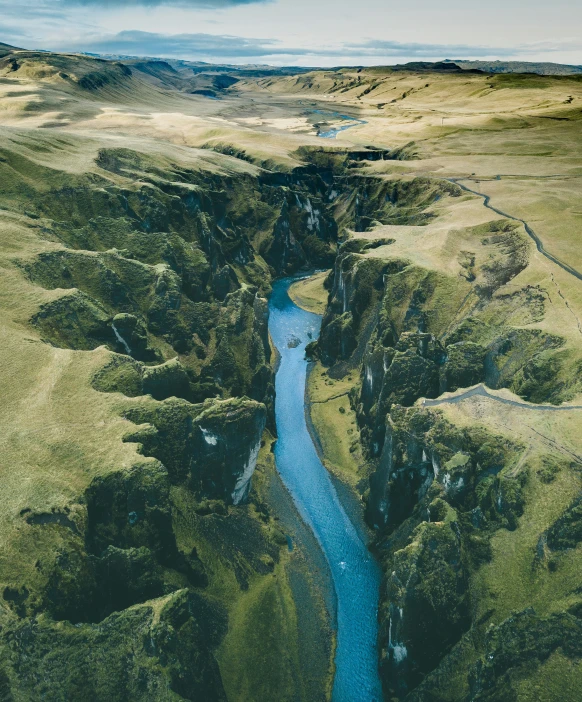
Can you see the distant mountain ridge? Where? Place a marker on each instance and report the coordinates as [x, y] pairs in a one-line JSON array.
[[253, 69], [542, 68], [5, 49]]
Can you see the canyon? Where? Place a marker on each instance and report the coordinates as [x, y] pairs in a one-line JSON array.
[[156, 540]]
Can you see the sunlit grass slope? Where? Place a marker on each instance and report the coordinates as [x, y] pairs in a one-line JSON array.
[[125, 201]]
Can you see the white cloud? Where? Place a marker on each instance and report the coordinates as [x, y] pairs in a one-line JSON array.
[[229, 48], [298, 32]]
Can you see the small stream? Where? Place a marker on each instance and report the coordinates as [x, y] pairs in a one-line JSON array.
[[355, 574], [332, 133]]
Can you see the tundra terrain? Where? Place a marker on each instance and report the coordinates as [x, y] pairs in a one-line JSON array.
[[148, 549]]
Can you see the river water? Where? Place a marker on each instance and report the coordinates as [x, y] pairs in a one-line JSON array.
[[332, 133], [355, 574]]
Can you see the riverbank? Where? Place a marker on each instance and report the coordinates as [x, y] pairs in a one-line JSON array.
[[337, 528], [309, 293], [311, 584], [281, 637], [330, 418], [348, 493]]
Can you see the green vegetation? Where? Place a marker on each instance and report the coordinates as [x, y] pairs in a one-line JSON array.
[[310, 293], [335, 426], [135, 323], [141, 227], [475, 505]]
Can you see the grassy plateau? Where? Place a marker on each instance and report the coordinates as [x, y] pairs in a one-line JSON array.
[[141, 226]]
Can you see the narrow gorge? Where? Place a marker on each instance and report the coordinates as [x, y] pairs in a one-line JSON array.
[[279, 411], [355, 575]]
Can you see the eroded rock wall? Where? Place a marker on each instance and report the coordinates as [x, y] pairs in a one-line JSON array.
[[439, 492], [169, 268]]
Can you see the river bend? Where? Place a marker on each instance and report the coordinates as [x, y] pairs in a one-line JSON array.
[[355, 574]]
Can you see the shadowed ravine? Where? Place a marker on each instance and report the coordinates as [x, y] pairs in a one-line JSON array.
[[355, 574]]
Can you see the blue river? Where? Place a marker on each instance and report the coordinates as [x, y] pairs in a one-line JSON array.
[[355, 574], [332, 133]]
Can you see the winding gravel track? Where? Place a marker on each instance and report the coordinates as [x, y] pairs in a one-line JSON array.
[[481, 390], [538, 242]]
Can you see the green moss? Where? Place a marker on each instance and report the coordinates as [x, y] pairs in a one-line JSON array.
[[145, 653], [167, 380], [122, 374], [519, 645], [74, 321], [211, 446], [426, 603], [556, 678], [257, 656], [444, 492], [465, 365], [549, 377], [403, 201], [566, 532]]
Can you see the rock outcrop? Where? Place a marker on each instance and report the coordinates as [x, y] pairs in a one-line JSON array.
[[169, 268], [142, 275], [440, 492], [438, 495], [57, 660], [388, 316]]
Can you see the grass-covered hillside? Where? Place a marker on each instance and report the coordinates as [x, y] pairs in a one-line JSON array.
[[144, 533], [144, 530], [449, 366]]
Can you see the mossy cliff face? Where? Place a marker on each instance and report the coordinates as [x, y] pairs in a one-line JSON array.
[[429, 474], [57, 660], [363, 203], [417, 332], [117, 549], [440, 496], [160, 270], [213, 447], [141, 286], [161, 260], [102, 560], [443, 493]]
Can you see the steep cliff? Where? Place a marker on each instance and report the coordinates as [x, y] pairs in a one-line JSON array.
[[144, 538], [481, 487], [419, 331], [140, 283]]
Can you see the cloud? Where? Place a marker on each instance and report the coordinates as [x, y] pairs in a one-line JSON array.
[[387, 48], [224, 47], [551, 46], [133, 42], [199, 4], [27, 11], [80, 35], [8, 30], [21, 22]]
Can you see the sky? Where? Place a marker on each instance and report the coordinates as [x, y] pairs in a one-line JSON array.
[[301, 32]]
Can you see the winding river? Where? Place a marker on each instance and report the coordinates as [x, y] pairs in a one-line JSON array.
[[355, 573], [332, 133]]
